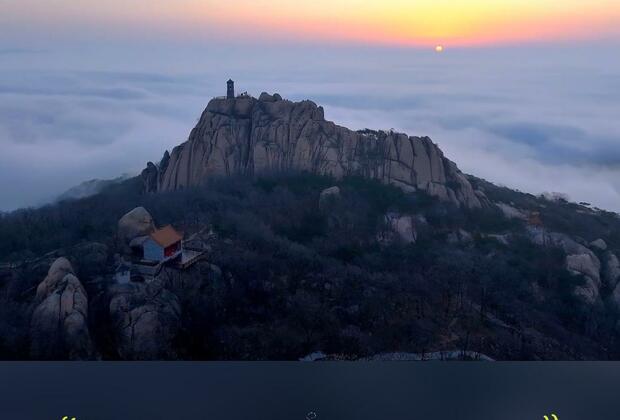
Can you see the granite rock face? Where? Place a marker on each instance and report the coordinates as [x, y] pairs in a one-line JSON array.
[[403, 226], [580, 260], [151, 175], [589, 267], [59, 326], [246, 136], [56, 273], [146, 319]]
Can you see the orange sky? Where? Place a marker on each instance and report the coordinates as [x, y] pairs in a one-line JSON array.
[[423, 22], [392, 22]]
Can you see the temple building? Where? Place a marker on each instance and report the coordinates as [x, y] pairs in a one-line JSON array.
[[148, 254], [162, 245]]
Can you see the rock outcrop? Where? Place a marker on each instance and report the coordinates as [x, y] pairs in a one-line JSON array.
[[138, 222], [328, 195], [59, 327], [399, 227], [56, 273], [599, 244], [589, 267], [151, 175], [150, 178], [403, 226], [511, 212], [245, 136], [146, 319], [612, 270], [580, 260]]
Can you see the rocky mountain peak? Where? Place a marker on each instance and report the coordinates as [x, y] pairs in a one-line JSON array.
[[246, 136]]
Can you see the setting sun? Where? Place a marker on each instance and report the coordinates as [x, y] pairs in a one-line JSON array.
[[439, 48]]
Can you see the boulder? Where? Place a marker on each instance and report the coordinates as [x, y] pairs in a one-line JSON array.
[[404, 227], [586, 265], [328, 195], [559, 240], [599, 244], [59, 326], [401, 227], [138, 222], [57, 272], [588, 293], [146, 319]]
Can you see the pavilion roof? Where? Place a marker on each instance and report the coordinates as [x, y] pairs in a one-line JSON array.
[[166, 236]]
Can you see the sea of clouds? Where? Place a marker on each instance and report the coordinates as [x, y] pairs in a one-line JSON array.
[[536, 119]]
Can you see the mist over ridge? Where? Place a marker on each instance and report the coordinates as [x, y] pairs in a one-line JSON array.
[[537, 119]]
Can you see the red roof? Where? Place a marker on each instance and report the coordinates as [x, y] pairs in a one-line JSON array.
[[166, 236]]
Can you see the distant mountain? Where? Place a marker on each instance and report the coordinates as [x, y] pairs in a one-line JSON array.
[[248, 136], [91, 187]]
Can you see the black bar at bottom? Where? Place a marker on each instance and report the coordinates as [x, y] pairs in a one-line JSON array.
[[300, 391]]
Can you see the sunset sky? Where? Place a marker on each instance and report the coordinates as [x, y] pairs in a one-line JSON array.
[[387, 22]]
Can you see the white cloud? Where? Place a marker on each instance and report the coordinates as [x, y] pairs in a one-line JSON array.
[[533, 119]]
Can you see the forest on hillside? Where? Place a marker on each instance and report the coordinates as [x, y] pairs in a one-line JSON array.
[[289, 274]]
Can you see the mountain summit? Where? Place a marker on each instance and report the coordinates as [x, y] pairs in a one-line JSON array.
[[243, 135]]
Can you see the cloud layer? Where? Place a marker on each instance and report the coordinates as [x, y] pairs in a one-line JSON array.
[[537, 119]]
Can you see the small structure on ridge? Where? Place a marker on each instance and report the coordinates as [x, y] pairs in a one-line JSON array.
[[162, 244], [146, 249], [230, 91]]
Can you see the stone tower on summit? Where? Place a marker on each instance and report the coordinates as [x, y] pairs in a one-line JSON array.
[[230, 91]]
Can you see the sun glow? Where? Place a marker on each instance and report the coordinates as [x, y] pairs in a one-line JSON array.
[[391, 22], [425, 22]]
